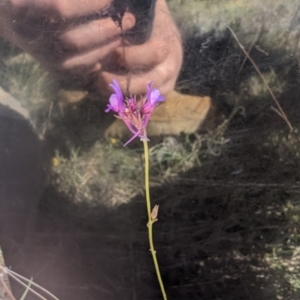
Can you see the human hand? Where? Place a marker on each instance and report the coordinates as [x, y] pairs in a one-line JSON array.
[[67, 39], [159, 59], [66, 36]]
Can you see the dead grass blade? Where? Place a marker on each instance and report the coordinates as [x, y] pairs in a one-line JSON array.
[[280, 110]]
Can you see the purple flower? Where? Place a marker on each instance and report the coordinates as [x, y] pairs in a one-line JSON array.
[[135, 114]]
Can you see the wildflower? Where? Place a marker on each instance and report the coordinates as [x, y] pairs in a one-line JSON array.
[[135, 114]]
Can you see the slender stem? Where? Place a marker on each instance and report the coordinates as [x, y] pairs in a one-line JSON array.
[[151, 220], [147, 186]]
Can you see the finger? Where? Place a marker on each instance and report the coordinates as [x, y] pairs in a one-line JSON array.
[[71, 8], [90, 58], [143, 56], [164, 88], [64, 9], [95, 33], [136, 84]]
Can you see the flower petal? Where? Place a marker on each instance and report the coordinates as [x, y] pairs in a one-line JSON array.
[[153, 95], [116, 100], [117, 89], [113, 104]]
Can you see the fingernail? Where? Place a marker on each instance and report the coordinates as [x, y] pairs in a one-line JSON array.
[[96, 68], [128, 21]]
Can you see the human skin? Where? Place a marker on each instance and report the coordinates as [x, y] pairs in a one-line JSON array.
[[97, 50]]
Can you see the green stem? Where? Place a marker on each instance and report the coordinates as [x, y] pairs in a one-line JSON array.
[[150, 220]]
